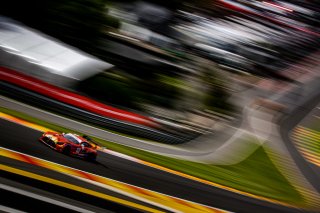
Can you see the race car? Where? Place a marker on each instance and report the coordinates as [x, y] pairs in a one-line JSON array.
[[70, 144]]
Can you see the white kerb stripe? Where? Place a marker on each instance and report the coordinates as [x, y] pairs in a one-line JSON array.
[[42, 198], [8, 209]]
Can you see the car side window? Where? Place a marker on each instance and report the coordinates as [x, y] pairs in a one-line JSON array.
[[71, 139], [85, 144]]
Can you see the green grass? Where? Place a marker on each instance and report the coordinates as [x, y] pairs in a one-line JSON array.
[[257, 174], [311, 141]]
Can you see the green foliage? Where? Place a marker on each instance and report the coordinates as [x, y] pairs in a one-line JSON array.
[[112, 22], [121, 90], [217, 96], [78, 22], [217, 100], [111, 90], [158, 92]]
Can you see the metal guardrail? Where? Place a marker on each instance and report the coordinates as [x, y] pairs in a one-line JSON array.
[[89, 117]]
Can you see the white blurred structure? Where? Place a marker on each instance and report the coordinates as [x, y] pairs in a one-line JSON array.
[[31, 52]]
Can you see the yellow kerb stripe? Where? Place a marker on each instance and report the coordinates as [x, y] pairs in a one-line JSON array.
[[24, 123], [165, 200], [76, 188]]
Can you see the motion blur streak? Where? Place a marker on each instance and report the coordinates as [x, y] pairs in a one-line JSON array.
[[237, 7], [74, 187], [303, 136], [171, 202], [50, 165], [43, 198], [277, 6], [24, 123], [74, 99]]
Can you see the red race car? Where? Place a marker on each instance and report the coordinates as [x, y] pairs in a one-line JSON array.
[[70, 144]]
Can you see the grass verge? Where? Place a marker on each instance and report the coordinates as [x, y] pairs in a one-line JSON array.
[[307, 137], [256, 175], [314, 124]]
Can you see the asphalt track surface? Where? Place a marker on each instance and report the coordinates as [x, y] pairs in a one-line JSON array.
[[56, 192], [25, 140], [310, 171]]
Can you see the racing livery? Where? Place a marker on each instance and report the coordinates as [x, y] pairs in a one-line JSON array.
[[71, 144]]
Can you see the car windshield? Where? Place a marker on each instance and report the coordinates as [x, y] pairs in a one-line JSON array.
[[71, 138]]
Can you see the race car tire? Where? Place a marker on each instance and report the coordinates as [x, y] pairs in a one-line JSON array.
[[66, 150]]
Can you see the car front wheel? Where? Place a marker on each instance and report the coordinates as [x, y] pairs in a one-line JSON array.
[[66, 150]]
